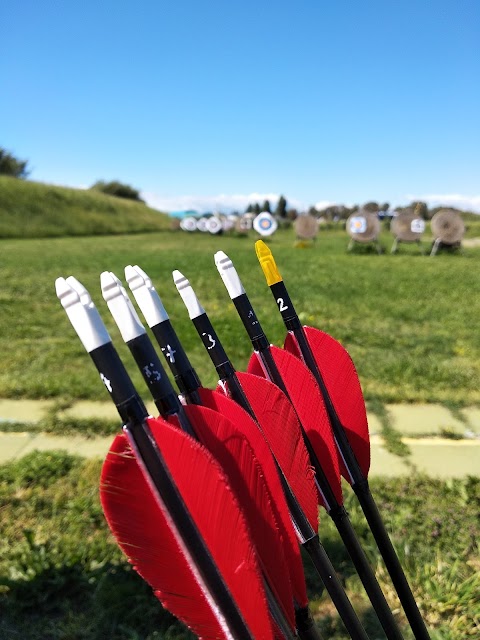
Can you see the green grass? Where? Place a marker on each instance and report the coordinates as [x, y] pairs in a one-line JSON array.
[[409, 321], [35, 210], [62, 576]]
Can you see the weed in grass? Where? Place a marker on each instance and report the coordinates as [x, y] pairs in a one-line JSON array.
[[450, 433]]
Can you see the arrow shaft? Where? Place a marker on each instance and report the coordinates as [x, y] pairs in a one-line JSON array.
[[359, 481], [307, 536], [185, 375], [334, 509], [133, 413], [167, 402]]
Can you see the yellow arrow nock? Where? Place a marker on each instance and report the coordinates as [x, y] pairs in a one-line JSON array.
[[267, 263]]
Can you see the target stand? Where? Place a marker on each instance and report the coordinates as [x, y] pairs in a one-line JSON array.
[[448, 229], [364, 227], [407, 227]]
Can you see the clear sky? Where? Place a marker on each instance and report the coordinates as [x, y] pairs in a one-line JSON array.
[[202, 103]]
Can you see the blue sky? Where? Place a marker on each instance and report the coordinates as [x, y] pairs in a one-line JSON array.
[[204, 104]]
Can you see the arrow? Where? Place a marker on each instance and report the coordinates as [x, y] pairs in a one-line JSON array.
[[223, 591], [229, 447], [157, 319], [340, 387], [229, 409], [285, 447], [294, 379]]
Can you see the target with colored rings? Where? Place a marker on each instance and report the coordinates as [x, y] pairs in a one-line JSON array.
[[265, 224]]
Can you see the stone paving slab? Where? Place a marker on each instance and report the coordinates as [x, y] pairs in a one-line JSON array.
[[411, 419], [445, 458], [24, 410], [383, 462], [442, 458], [77, 445]]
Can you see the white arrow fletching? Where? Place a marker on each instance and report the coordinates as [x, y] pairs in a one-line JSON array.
[[229, 275], [82, 313]]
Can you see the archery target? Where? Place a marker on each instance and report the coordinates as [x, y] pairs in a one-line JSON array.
[[306, 227], [265, 224], [363, 226], [188, 224], [243, 224], [214, 225], [229, 222], [448, 226], [202, 225], [357, 224]]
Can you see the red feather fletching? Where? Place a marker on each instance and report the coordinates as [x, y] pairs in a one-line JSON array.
[[143, 532], [310, 409], [232, 450], [343, 386], [219, 402]]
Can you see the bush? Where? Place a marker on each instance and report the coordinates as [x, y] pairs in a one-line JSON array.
[[11, 166], [117, 189]]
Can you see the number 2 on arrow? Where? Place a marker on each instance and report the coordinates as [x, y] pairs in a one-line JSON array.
[[281, 305]]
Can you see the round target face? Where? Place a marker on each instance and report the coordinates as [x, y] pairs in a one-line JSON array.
[[358, 224], [188, 224], [265, 224], [214, 225], [417, 225], [202, 224]]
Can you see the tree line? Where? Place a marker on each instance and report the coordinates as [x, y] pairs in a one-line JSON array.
[[13, 166]]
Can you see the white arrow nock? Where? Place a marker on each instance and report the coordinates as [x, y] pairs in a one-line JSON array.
[[229, 275], [146, 295], [188, 295], [121, 307], [82, 313]]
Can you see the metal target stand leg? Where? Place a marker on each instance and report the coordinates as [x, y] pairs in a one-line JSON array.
[[436, 244], [394, 246]]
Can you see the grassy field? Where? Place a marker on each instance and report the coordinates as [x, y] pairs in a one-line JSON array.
[[36, 210], [63, 578], [409, 321]]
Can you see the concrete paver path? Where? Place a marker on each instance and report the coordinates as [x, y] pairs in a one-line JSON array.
[[433, 454]]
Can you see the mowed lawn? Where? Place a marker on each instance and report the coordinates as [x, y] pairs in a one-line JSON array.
[[410, 322]]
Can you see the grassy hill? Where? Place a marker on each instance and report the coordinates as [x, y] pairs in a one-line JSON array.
[[36, 210]]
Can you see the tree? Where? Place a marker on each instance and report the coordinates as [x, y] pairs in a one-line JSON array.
[[118, 189], [266, 206], [11, 166], [385, 206], [281, 210], [256, 208], [420, 209], [371, 206]]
